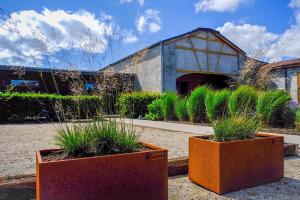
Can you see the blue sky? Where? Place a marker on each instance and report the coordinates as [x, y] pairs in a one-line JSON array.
[[270, 26]]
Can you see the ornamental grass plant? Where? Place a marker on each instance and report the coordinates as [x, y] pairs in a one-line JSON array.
[[196, 104], [243, 100], [181, 109], [271, 105], [216, 104], [235, 128], [168, 104], [97, 138]]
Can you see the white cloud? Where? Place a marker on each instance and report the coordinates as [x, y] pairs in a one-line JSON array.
[[29, 36], [129, 36], [248, 37], [294, 4], [253, 38], [149, 21], [219, 5], [141, 2]]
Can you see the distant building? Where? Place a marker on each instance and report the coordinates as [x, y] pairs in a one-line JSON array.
[[287, 77], [30, 79], [181, 63]]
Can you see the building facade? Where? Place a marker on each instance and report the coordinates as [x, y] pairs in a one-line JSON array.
[[181, 63], [287, 77], [30, 79]]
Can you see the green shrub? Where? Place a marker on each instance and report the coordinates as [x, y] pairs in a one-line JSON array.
[[243, 100], [271, 105], [97, 138], [235, 128], [196, 104], [155, 112], [21, 106], [181, 109], [135, 104], [168, 105], [216, 103]]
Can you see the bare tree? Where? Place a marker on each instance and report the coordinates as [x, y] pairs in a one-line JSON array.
[[256, 73]]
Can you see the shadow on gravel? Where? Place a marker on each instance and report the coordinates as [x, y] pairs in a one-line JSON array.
[[17, 194]]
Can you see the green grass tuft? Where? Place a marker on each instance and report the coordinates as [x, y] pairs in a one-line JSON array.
[[196, 104], [181, 109], [168, 105], [235, 128], [243, 100], [216, 103], [74, 140], [97, 138], [271, 105]]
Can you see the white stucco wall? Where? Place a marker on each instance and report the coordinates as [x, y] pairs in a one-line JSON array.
[[148, 70]]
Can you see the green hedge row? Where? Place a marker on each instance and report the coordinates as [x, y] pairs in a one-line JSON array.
[[135, 104], [21, 106]]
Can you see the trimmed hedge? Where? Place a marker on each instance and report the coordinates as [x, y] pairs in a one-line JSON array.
[[20, 106], [135, 104]]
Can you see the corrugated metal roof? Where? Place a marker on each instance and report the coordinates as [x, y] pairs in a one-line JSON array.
[[285, 64], [42, 69]]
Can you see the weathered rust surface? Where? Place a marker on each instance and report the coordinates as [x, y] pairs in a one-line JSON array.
[[229, 166], [140, 175]]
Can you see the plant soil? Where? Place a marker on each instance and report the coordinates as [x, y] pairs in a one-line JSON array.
[[57, 155]]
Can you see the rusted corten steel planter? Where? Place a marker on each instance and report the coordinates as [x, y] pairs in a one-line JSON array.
[[229, 166], [140, 175]]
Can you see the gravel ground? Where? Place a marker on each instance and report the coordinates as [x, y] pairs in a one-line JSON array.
[[18, 143], [287, 189]]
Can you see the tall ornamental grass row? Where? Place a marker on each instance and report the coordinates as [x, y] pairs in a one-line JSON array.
[[271, 105], [243, 100], [168, 105], [216, 103], [196, 104], [181, 109]]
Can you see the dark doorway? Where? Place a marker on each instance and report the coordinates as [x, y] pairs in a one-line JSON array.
[[188, 82], [183, 88]]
